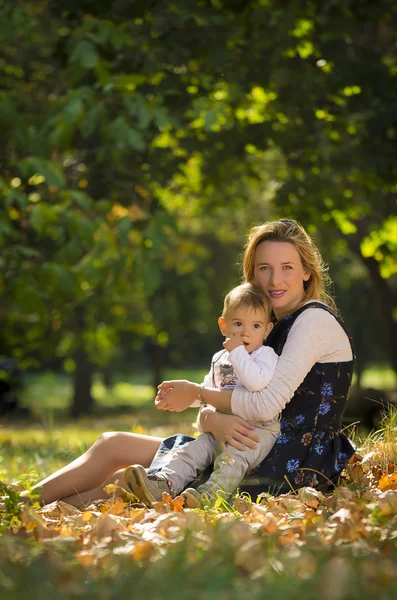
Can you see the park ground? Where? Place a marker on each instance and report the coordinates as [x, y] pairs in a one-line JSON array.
[[300, 545]]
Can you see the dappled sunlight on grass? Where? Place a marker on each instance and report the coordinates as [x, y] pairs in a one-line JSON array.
[[379, 378]]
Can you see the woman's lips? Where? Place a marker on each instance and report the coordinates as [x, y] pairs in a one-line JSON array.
[[276, 293]]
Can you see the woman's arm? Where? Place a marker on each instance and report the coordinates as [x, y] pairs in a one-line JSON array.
[[315, 336], [179, 394]]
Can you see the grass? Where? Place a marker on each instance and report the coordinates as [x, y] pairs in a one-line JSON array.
[[217, 555], [214, 555]]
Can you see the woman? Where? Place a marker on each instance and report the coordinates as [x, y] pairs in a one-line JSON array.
[[310, 386]]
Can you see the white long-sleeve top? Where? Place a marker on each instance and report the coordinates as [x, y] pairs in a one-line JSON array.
[[240, 370], [315, 337]]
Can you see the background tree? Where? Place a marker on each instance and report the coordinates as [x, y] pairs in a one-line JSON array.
[[134, 134]]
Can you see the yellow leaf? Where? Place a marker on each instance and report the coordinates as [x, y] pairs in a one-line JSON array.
[[118, 508], [137, 514], [142, 550], [178, 503], [388, 482], [87, 516]]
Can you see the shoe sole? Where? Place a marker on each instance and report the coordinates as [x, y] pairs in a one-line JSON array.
[[136, 484]]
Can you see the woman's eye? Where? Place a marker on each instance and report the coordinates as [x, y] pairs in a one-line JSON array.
[[287, 267], [264, 268]]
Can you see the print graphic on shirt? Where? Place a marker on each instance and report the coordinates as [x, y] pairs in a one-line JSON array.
[[228, 378]]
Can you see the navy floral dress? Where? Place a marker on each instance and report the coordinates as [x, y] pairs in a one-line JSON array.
[[311, 450]]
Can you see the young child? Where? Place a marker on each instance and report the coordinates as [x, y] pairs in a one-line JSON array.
[[245, 362]]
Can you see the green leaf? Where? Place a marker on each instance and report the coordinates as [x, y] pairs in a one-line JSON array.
[[60, 275], [16, 196], [41, 216], [82, 199], [50, 170], [124, 226], [27, 252], [91, 119], [85, 54], [135, 139]]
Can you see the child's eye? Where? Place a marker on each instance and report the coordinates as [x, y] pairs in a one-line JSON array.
[[238, 323], [257, 326]]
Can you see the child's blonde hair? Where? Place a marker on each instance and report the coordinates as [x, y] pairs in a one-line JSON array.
[[288, 230], [247, 295]]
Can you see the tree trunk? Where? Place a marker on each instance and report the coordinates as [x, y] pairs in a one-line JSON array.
[[157, 365], [83, 402], [383, 300]]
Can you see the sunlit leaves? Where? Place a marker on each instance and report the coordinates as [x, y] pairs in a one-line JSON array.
[[382, 245]]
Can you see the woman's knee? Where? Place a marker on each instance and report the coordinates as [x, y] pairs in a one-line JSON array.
[[109, 444]]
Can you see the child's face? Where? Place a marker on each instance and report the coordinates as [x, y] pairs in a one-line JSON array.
[[251, 326]]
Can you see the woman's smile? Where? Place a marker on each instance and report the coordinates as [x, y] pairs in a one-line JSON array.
[[280, 273]]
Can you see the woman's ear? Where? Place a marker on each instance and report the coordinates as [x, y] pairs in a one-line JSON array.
[[307, 276], [268, 329], [222, 325]]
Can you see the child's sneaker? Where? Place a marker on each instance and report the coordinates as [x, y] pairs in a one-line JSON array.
[[147, 488], [192, 498]]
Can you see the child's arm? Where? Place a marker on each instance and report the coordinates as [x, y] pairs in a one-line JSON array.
[[254, 373]]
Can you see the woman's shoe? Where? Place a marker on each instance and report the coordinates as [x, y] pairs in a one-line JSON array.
[[147, 488]]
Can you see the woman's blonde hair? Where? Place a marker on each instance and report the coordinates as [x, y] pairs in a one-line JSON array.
[[288, 230]]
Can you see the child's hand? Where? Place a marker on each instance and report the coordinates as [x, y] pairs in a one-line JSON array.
[[231, 343]]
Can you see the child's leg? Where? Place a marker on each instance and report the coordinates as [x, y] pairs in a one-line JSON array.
[[231, 466], [89, 472], [189, 461]]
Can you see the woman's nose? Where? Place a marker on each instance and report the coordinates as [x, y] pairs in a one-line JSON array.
[[274, 277]]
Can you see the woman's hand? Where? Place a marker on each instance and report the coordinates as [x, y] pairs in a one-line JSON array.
[[230, 429], [177, 395]]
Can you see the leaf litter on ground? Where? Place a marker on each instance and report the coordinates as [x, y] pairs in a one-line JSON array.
[[303, 535]]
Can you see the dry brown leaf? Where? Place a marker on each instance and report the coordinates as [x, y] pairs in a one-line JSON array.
[[242, 505], [118, 508], [166, 498], [168, 527], [32, 521], [87, 558], [178, 504], [87, 516], [387, 503], [357, 475], [370, 459], [142, 551], [137, 515], [162, 507], [237, 532], [251, 556], [388, 482], [116, 491], [106, 524], [310, 497]]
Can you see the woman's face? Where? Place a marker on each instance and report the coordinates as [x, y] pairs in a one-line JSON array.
[[280, 274]]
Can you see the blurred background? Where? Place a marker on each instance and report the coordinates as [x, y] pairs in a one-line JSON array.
[[140, 141]]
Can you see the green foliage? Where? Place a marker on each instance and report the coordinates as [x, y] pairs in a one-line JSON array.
[[138, 146]]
